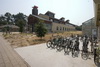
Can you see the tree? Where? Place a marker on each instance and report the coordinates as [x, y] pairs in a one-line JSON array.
[[20, 23], [19, 16], [20, 20], [40, 29], [8, 17], [2, 20], [79, 28], [12, 19]]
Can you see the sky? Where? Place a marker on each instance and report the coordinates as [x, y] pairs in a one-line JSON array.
[[77, 11]]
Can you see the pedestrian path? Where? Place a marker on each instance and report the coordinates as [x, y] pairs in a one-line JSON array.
[[9, 57], [41, 56]]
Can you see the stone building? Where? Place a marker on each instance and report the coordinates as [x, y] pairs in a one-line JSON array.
[[51, 23], [89, 27]]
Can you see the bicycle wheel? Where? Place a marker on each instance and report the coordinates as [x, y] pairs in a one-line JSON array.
[[65, 49], [48, 44], [96, 60], [76, 53], [55, 45], [73, 54], [84, 55], [59, 48]]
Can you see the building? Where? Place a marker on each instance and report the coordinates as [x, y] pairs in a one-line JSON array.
[[51, 23], [97, 16], [89, 27]]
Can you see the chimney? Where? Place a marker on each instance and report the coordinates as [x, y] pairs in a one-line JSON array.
[[35, 10]]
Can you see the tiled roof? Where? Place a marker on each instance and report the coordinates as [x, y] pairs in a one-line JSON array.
[[41, 18], [12, 26], [49, 12], [69, 24]]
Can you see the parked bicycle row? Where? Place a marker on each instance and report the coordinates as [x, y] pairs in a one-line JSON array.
[[71, 45]]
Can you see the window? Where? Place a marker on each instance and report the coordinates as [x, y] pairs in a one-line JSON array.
[[60, 28], [63, 28], [67, 29], [57, 28]]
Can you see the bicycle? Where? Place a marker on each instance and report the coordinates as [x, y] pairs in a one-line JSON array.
[[61, 44], [75, 50], [85, 53], [69, 45], [52, 43], [67, 48], [96, 53]]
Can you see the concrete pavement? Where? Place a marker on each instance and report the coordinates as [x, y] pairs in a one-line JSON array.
[[41, 56]]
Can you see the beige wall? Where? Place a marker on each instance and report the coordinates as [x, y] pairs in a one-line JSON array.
[[55, 25], [60, 27]]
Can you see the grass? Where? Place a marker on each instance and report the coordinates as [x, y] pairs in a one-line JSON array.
[[20, 40]]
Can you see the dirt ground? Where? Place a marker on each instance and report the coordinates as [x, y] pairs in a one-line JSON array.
[[20, 40]]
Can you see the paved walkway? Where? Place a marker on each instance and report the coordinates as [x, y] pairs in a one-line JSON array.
[[41, 56], [9, 57]]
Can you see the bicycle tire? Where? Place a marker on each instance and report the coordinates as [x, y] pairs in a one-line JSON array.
[[84, 56], [48, 44]]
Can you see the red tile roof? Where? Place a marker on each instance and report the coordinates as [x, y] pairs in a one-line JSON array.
[[35, 7]]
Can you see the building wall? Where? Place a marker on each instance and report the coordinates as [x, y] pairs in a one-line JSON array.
[[56, 27], [99, 33], [52, 24], [97, 16], [89, 27], [48, 27]]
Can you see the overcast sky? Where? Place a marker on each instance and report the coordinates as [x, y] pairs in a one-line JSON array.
[[77, 11]]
